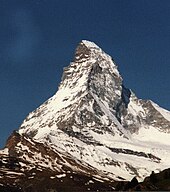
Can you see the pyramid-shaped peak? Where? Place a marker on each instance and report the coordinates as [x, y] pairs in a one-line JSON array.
[[88, 49]]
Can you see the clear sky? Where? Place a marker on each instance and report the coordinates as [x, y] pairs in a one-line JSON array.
[[38, 38]]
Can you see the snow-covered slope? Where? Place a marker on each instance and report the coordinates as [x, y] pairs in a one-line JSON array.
[[96, 120]]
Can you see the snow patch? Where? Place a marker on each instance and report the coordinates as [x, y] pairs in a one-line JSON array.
[[61, 175]]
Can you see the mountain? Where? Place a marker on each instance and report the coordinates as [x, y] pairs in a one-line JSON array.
[[93, 130]]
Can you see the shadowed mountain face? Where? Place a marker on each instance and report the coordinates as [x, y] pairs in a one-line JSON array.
[[155, 182], [93, 128]]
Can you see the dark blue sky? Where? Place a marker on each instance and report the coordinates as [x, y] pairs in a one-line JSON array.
[[38, 38]]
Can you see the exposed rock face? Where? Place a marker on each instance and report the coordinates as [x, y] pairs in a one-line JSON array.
[[37, 167], [96, 121]]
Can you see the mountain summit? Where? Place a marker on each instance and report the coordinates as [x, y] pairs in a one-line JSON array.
[[93, 125]]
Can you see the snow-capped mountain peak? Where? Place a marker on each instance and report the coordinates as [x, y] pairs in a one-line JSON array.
[[90, 44], [87, 83], [95, 119]]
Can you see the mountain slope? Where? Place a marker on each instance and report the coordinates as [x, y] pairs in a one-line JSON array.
[[99, 123]]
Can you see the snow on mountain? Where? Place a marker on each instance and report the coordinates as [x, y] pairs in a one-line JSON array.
[[95, 119], [165, 113]]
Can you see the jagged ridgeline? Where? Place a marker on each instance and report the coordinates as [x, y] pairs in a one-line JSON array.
[[93, 127]]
